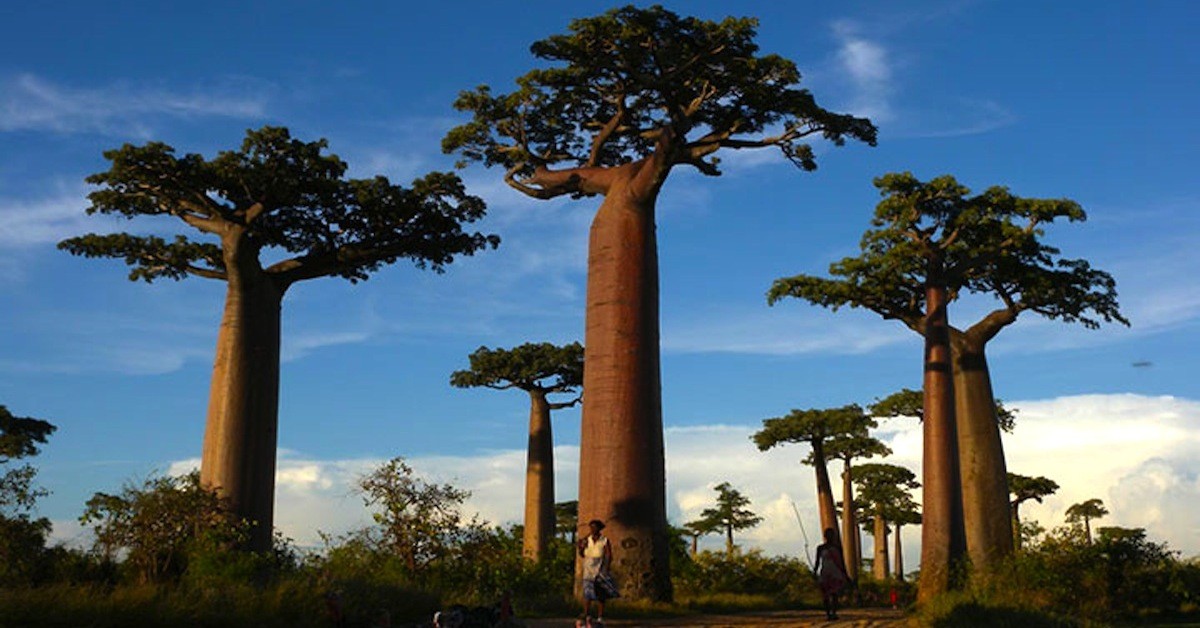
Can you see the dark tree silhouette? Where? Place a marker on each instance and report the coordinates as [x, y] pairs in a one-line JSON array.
[[1085, 512], [540, 370], [931, 242], [1023, 488], [728, 515], [624, 98], [22, 537], [288, 197]]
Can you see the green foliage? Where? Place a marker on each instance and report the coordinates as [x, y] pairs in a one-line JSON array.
[[1086, 511], [729, 514], [809, 426], [542, 367], [1024, 488], [280, 193], [990, 243], [162, 525], [22, 536], [885, 490], [783, 579], [907, 402], [566, 520], [619, 83]]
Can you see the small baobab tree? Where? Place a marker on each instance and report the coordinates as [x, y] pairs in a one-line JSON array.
[[816, 428], [854, 445], [1085, 512], [729, 514], [625, 98], [539, 369], [884, 489], [275, 195], [1023, 488]]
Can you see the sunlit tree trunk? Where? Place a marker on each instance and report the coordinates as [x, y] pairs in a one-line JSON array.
[[941, 533], [622, 471], [238, 458], [850, 538], [986, 508], [879, 566], [539, 479], [825, 504]]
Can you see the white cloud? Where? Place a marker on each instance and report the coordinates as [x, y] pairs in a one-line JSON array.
[[32, 103], [868, 66]]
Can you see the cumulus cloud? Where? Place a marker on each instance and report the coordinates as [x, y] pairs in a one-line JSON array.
[[33, 103]]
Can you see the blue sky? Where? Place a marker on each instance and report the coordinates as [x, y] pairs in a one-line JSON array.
[[1093, 102]]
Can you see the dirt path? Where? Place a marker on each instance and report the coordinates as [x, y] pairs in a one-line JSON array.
[[857, 618]]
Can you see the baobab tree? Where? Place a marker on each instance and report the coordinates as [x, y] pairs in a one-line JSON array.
[[816, 428], [907, 513], [1085, 512], [277, 194], [1023, 488], [697, 529], [884, 488], [625, 98], [858, 444], [729, 514], [539, 369], [930, 243]]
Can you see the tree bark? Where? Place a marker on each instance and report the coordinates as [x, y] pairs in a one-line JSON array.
[[825, 505], [622, 477], [240, 436], [850, 547], [879, 566], [729, 540], [899, 554], [1016, 525], [986, 508], [539, 479], [942, 537]]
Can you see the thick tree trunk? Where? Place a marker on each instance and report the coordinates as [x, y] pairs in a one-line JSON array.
[[539, 479], [825, 505], [899, 554], [238, 458], [942, 541], [986, 509], [850, 547], [622, 478], [879, 567]]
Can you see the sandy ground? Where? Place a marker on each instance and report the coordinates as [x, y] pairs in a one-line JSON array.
[[859, 618]]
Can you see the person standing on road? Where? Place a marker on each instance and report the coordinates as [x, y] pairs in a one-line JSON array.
[[596, 552], [831, 572]]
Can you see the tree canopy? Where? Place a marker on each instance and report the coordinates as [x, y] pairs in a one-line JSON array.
[[989, 243], [729, 514], [807, 426], [1086, 511], [1024, 488], [625, 84], [281, 194], [542, 367]]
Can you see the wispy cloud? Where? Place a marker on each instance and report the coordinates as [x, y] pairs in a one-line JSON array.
[[1140, 454], [781, 331], [866, 62], [32, 103], [48, 219]]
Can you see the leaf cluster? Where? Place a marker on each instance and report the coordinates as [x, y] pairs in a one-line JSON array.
[[1024, 488], [536, 367], [809, 426], [617, 82], [280, 193], [937, 233], [1086, 511], [729, 513], [885, 490]]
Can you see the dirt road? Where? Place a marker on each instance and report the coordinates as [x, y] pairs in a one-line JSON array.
[[857, 618]]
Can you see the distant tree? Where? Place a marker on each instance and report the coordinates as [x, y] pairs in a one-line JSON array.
[[728, 515], [930, 243], [815, 428], [540, 370], [884, 488], [277, 196], [419, 521], [697, 529], [1023, 488], [1085, 512], [566, 520], [22, 537], [907, 514], [627, 97], [158, 524], [858, 444]]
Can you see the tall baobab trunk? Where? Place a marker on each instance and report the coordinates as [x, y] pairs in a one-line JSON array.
[[941, 532], [622, 477], [879, 566], [539, 479], [899, 554], [825, 505], [986, 509], [240, 436], [850, 546]]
